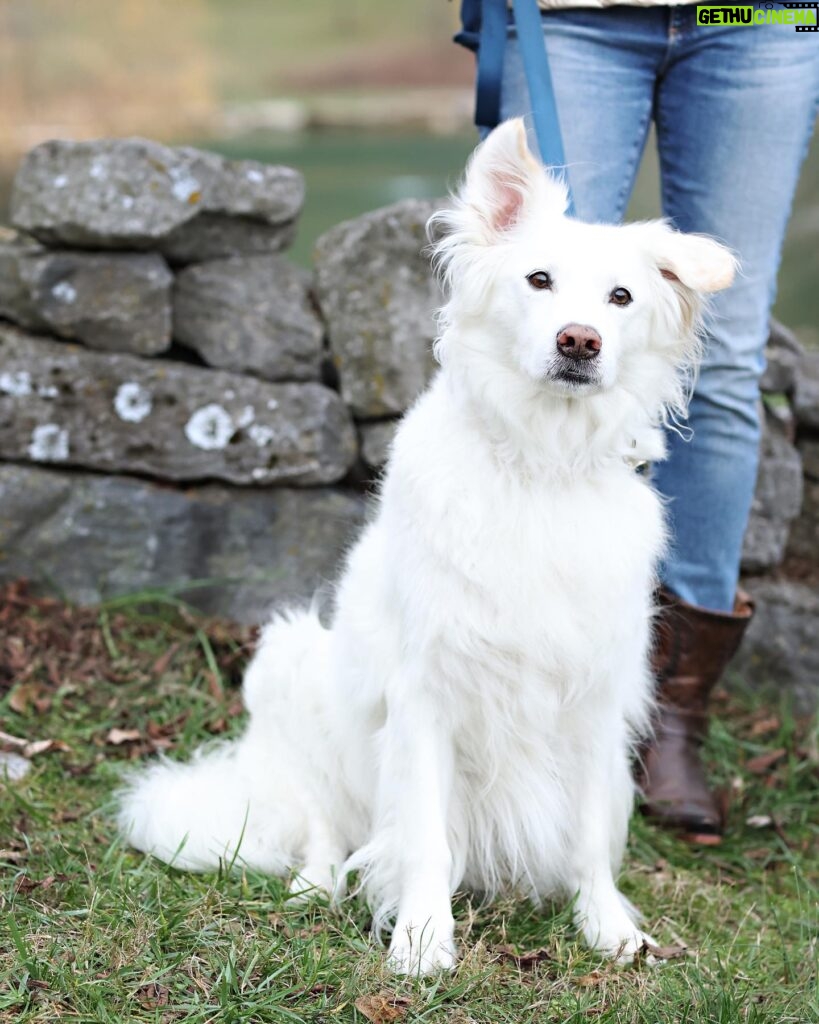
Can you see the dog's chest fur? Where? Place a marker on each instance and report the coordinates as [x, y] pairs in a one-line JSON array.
[[528, 568]]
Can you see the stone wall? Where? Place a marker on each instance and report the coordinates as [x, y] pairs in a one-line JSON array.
[[181, 407]]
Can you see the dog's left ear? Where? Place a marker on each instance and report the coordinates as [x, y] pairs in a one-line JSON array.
[[694, 261], [502, 179]]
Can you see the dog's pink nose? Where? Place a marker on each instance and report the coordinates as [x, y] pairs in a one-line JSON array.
[[577, 341]]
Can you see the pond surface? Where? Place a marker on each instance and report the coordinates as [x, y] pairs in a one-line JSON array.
[[349, 173]]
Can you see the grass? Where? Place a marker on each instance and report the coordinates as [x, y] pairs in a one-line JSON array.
[[91, 931]]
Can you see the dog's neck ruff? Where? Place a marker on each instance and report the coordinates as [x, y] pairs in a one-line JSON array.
[[536, 434]]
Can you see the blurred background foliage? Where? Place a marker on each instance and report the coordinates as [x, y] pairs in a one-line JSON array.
[[370, 100]]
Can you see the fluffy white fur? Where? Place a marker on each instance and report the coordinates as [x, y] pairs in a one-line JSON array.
[[468, 718]]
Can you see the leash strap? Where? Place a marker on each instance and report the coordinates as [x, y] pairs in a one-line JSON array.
[[491, 46]]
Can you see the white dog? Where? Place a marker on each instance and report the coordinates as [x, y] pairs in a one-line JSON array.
[[468, 718]]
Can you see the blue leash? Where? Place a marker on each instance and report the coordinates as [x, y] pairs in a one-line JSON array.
[[491, 41]]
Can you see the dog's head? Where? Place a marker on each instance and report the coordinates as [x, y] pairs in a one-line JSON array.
[[570, 309]]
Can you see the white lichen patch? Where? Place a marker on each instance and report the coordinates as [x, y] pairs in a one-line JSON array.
[[245, 417], [132, 402], [255, 176], [16, 383], [60, 181], [272, 404], [261, 435], [126, 202], [185, 187], [64, 291], [210, 427], [49, 443]]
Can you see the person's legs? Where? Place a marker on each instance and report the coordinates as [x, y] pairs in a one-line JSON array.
[[603, 65], [734, 111]]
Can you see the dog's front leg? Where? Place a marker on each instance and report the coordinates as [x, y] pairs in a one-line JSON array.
[[415, 793], [605, 798]]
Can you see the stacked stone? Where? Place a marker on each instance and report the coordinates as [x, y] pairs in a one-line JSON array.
[[379, 298], [162, 338], [782, 645]]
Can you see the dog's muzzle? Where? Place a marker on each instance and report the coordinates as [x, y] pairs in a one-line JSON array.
[[578, 346]]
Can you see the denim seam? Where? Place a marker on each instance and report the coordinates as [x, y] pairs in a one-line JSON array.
[[637, 149]]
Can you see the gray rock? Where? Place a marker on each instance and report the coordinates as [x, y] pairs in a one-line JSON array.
[[116, 302], [250, 314], [62, 404], [783, 354], [13, 767], [764, 544], [780, 650], [806, 393], [803, 537], [378, 297], [803, 540], [96, 536], [213, 236], [376, 439], [809, 450], [777, 500], [15, 297], [137, 194]]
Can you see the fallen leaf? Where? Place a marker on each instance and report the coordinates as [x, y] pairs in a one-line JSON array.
[[13, 856], [160, 666], [760, 764], [116, 737], [525, 959], [23, 696], [589, 980], [9, 742], [30, 748], [382, 1007], [25, 883], [673, 952], [702, 838], [765, 726], [153, 995], [67, 816]]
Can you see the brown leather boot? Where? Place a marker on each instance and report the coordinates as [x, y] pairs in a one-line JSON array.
[[692, 647]]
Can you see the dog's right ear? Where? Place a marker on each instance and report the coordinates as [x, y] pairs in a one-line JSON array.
[[502, 179]]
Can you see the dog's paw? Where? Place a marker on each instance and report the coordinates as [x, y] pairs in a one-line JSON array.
[[311, 883], [626, 948], [421, 949]]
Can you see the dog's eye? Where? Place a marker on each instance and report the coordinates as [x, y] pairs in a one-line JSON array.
[[540, 280], [620, 297]]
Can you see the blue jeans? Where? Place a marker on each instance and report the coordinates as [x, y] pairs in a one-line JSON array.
[[734, 109]]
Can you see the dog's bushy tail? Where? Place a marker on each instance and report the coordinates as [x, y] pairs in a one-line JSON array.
[[237, 801]]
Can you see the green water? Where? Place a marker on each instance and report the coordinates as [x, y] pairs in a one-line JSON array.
[[348, 174]]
